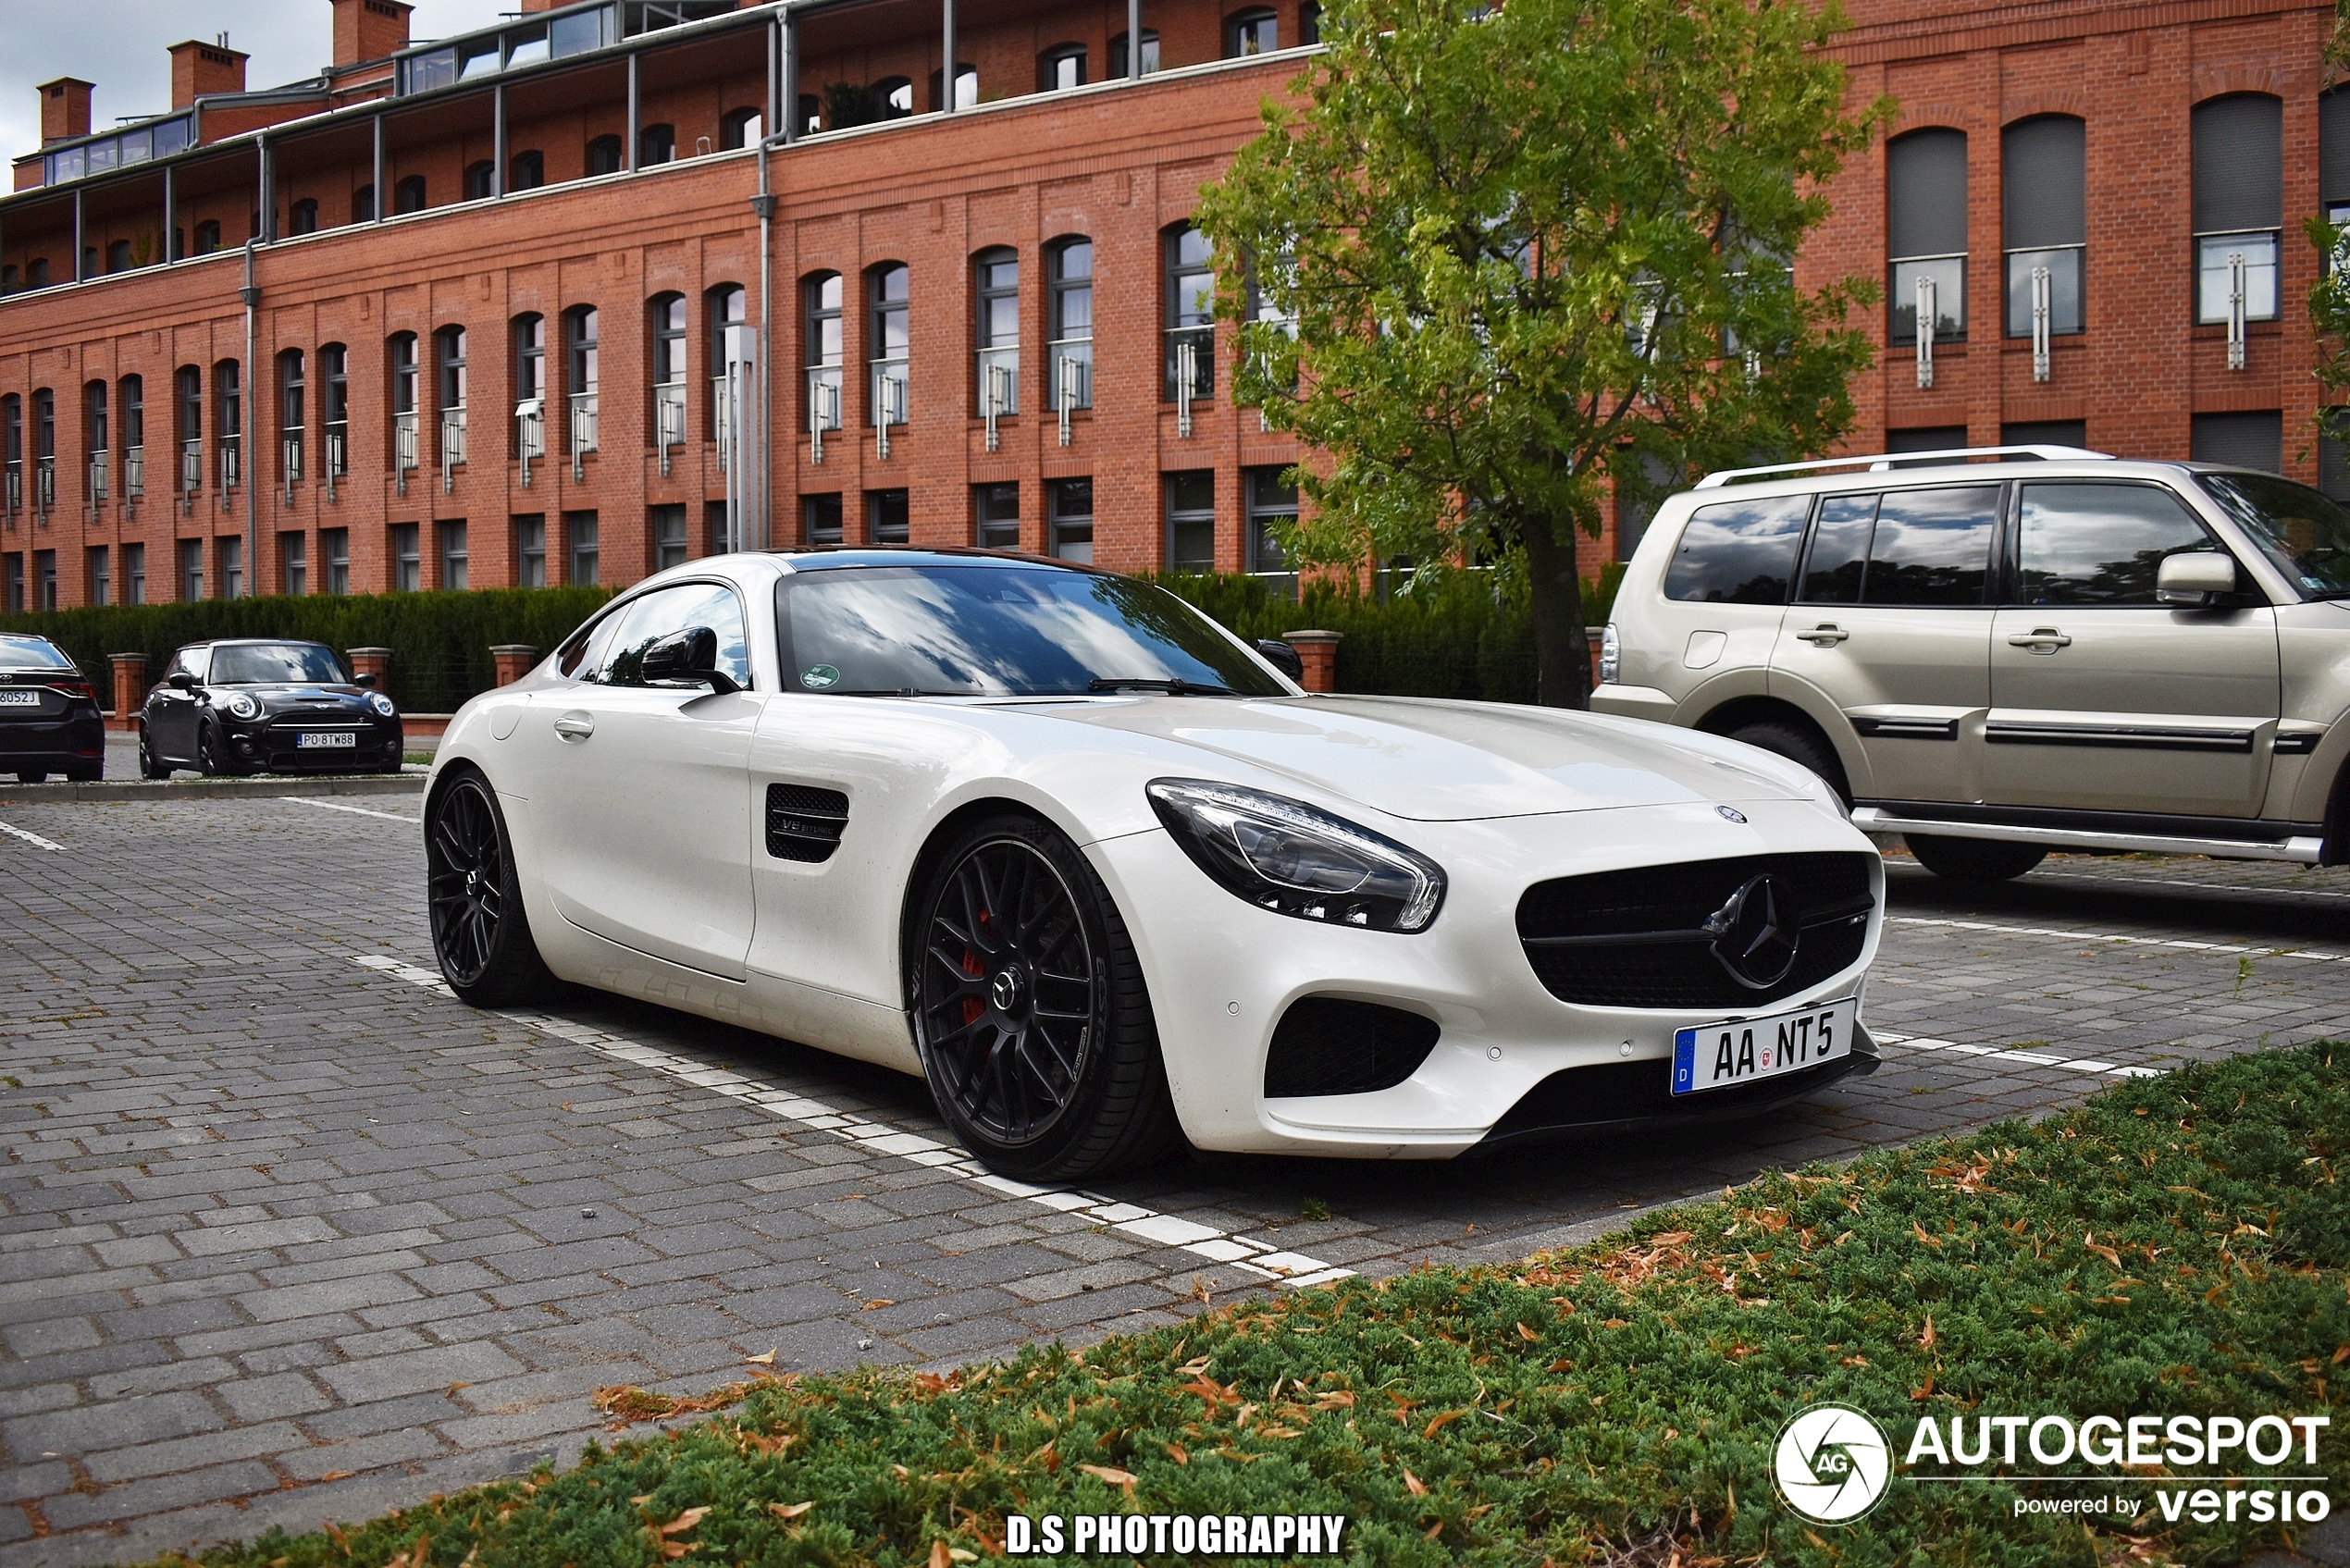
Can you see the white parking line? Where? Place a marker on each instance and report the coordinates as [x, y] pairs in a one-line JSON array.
[[2126, 941], [1260, 1258], [2082, 1064], [354, 811], [32, 838]]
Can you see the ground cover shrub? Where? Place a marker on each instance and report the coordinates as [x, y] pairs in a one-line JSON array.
[[440, 642], [2177, 1245]]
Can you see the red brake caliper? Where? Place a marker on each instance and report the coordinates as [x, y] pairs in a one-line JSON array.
[[972, 1005]]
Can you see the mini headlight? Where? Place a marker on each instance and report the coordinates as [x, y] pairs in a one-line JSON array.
[[381, 704], [1284, 855], [242, 706]]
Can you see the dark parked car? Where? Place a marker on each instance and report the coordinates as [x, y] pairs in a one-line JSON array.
[[250, 704], [49, 721]]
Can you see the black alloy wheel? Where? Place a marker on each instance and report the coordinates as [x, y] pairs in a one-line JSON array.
[[1029, 1008], [480, 933], [150, 765], [210, 761]]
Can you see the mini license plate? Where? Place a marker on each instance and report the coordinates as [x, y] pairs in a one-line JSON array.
[[1716, 1056], [317, 740], [19, 699]]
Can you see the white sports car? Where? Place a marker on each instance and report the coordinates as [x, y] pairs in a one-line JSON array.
[[1109, 879]]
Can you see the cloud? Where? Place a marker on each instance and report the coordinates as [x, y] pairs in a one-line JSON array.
[[120, 44]]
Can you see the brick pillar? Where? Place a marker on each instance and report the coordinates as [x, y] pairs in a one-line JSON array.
[[513, 660], [375, 661], [130, 689], [1318, 652]]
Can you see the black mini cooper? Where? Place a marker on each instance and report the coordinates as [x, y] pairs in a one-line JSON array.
[[253, 705], [49, 719]]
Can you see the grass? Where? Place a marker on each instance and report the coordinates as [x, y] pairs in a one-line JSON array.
[[2177, 1245]]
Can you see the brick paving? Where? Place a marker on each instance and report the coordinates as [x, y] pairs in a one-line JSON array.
[[285, 1239]]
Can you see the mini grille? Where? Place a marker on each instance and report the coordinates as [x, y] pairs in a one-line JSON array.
[[1324, 1045], [1827, 896], [804, 823]]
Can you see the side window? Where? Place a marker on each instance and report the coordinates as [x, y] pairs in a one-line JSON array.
[[584, 655], [657, 615], [1931, 546], [1738, 552], [1839, 550], [2100, 544], [193, 660]]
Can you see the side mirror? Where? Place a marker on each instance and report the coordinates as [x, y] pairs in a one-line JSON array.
[[180, 680], [2193, 578], [688, 657], [1281, 657], [364, 680]]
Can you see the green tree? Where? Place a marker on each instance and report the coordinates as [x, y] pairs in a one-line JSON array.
[[1505, 255]]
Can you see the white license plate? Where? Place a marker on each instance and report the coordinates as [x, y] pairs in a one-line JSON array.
[[1716, 1056], [325, 740], [19, 699]]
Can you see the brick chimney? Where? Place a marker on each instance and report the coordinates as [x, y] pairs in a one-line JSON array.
[[369, 29], [198, 69], [65, 108]]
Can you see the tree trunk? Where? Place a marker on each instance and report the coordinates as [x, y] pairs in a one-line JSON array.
[[1562, 646]]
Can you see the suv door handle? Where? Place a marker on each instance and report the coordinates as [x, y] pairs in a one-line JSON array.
[[574, 726], [1827, 634], [2040, 639]]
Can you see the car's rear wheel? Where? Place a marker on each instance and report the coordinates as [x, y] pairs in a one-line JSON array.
[[1030, 1010], [480, 933], [150, 765], [1973, 859], [1798, 745]]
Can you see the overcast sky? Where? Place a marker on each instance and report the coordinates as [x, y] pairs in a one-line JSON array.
[[120, 44]]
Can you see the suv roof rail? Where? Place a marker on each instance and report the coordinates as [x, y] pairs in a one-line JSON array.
[[1879, 462]]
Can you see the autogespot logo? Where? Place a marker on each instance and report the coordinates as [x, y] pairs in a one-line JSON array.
[[1832, 1465]]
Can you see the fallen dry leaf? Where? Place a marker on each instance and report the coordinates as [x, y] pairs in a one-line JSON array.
[[766, 1360], [876, 1303], [1175, 1452], [337, 1474], [788, 1510], [1414, 1485], [1123, 1479]]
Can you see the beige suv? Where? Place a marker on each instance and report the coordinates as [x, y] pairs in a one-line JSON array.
[[1994, 657]]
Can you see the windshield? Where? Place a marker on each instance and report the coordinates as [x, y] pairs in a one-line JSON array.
[[999, 631], [262, 663], [2307, 535], [37, 653]]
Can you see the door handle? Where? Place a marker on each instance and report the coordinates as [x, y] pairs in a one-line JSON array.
[[2040, 639], [1827, 635], [574, 726]]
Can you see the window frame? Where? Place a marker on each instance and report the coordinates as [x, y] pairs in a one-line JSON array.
[[1061, 288], [1050, 61], [991, 350], [1176, 330], [1952, 261]]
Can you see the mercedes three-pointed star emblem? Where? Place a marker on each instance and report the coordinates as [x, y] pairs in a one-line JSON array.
[[1754, 941]]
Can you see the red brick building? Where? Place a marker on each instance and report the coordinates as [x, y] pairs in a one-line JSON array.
[[513, 303]]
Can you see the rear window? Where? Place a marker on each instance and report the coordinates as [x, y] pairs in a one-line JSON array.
[[31, 653], [1738, 551]]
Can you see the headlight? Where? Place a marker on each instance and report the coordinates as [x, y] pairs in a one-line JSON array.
[[381, 704], [242, 706], [1611, 656], [1286, 856]]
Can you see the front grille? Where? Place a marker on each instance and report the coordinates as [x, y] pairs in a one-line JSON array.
[[804, 823], [1647, 921], [1324, 1045]]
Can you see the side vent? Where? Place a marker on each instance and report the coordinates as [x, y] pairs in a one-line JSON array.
[[804, 823], [1324, 1045]]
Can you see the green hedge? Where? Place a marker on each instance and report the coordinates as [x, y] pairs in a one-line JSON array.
[[440, 642]]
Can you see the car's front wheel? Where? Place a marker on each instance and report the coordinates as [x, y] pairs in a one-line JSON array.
[[1029, 1008], [150, 765], [212, 755], [480, 933], [1973, 859]]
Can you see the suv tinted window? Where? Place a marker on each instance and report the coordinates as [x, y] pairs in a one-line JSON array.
[[1738, 552], [1839, 550], [1931, 547], [2100, 544]]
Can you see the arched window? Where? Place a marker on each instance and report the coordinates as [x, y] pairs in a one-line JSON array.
[[822, 348], [207, 241], [408, 196], [293, 395], [581, 378], [36, 271], [966, 87], [334, 408], [2044, 221], [656, 144], [528, 171], [740, 128], [2239, 204], [131, 394], [1310, 23], [997, 292], [723, 305], [1068, 370], [892, 98], [11, 453], [362, 205], [1150, 53], [302, 216], [118, 256], [400, 365], [448, 363], [2334, 156], [1253, 31], [888, 344], [1191, 313], [481, 180], [603, 155], [1925, 232], [665, 319], [93, 438], [1060, 67], [530, 357], [187, 399], [228, 421]]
